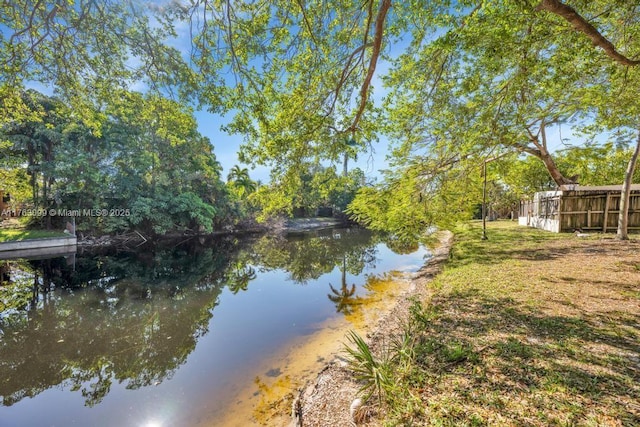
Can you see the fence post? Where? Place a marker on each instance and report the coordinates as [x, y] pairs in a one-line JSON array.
[[606, 212]]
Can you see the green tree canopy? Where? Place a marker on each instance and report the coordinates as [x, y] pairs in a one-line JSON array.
[[466, 80], [149, 163]]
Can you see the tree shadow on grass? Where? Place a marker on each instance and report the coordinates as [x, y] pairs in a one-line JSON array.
[[482, 253], [525, 367]]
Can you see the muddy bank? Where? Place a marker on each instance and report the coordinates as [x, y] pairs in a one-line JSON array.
[[134, 239], [267, 400], [327, 399]]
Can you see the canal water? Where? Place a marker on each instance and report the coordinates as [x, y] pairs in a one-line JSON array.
[[205, 332]]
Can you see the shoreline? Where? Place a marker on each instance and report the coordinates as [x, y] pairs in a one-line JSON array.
[[267, 401], [133, 239], [289, 226], [327, 399]]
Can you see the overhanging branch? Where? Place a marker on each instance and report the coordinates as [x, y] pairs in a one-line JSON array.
[[580, 24], [377, 45]]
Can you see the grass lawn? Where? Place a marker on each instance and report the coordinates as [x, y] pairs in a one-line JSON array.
[[529, 328], [11, 235]]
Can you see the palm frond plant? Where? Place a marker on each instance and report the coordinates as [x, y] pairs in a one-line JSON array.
[[375, 374]]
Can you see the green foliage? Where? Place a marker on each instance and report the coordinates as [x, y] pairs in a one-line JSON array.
[[16, 182], [13, 106], [149, 163], [466, 82], [407, 203], [374, 373], [597, 164], [88, 52], [33, 142], [591, 164], [273, 201], [498, 78], [524, 176], [313, 187], [240, 182]]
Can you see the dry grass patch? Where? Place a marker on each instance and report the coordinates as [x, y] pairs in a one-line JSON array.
[[527, 329]]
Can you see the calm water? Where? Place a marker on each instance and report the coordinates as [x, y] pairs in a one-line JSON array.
[[169, 336]]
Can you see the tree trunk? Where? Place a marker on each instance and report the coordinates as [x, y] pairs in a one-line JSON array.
[[553, 170], [623, 219], [345, 170]]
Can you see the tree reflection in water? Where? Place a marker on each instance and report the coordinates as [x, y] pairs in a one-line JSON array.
[[344, 298], [117, 317], [133, 319], [308, 256], [240, 276]]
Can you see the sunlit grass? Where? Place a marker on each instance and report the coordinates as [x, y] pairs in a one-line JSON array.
[[11, 235]]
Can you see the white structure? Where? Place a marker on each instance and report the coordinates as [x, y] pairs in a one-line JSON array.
[[575, 207], [542, 212]]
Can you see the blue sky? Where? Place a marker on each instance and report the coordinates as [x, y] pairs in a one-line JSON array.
[[226, 148]]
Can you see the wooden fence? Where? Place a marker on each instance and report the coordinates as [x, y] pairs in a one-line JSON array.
[[586, 208], [596, 211]]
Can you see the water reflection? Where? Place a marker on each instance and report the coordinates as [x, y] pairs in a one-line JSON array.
[[116, 317], [344, 298], [306, 258], [240, 276], [106, 323]]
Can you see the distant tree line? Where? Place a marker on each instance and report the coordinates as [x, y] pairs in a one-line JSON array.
[[145, 163]]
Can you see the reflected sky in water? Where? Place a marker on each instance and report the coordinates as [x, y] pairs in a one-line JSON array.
[[168, 336]]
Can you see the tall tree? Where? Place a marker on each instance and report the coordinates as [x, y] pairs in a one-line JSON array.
[[301, 73], [149, 163], [35, 141], [614, 34], [468, 79], [622, 232], [498, 77], [163, 168], [240, 180]]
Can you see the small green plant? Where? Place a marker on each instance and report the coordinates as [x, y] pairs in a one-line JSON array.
[[420, 315], [514, 348], [403, 349], [457, 352], [374, 373]]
